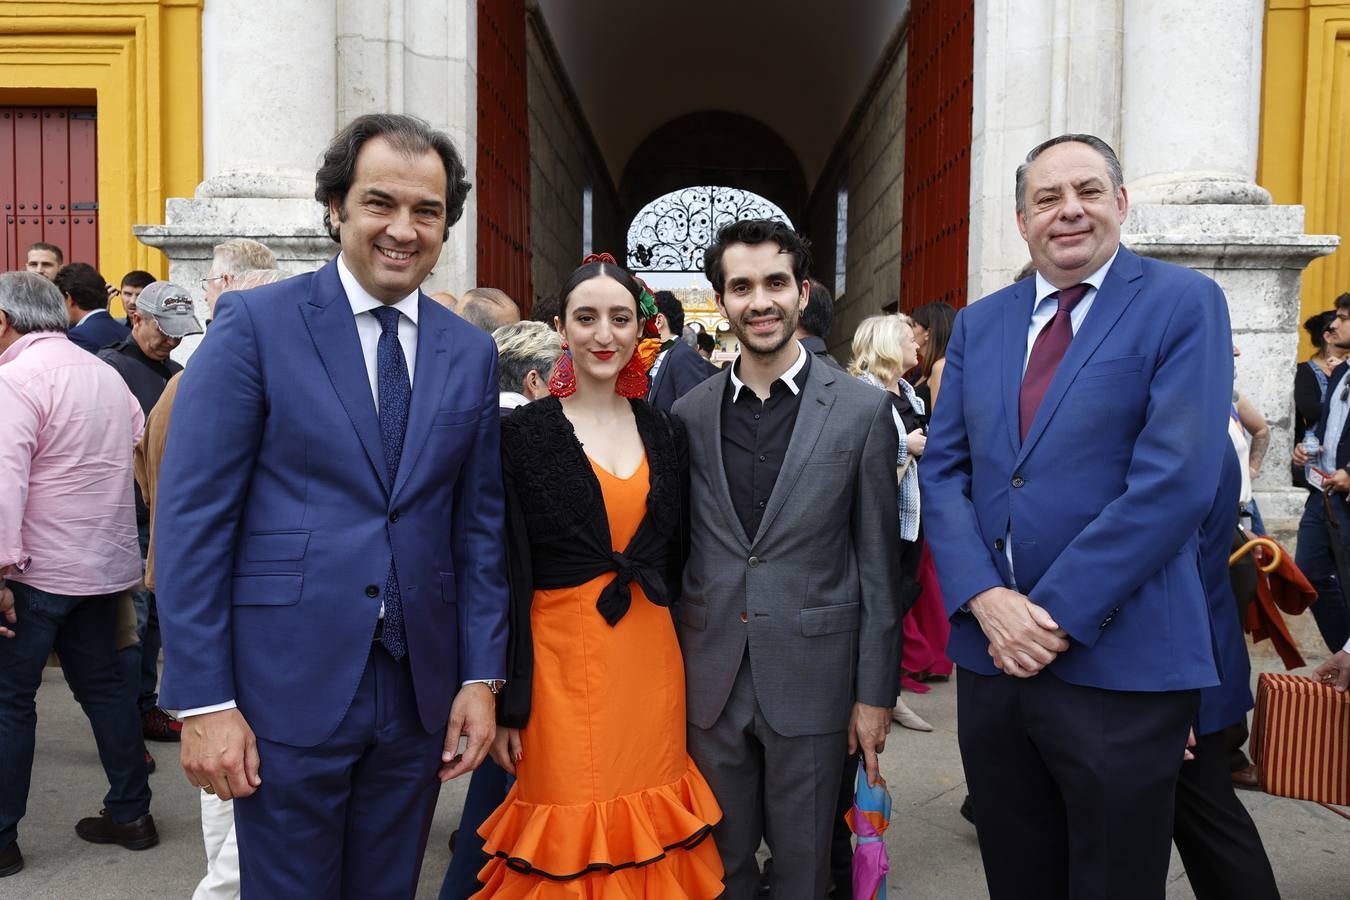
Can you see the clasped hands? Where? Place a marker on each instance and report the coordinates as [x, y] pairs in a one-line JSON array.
[[1023, 638], [220, 751]]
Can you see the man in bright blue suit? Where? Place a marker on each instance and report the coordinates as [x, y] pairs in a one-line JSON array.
[[1069, 466], [329, 538]]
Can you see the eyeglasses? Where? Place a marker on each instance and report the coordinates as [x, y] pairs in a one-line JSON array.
[[206, 281]]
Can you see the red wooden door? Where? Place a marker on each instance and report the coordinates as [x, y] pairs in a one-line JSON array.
[[503, 152], [49, 182], [935, 233]]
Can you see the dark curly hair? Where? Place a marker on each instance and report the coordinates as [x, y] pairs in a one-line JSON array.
[[757, 231], [408, 135], [1317, 325], [84, 285]]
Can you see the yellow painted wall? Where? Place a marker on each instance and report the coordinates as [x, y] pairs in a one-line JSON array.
[[142, 61], [1305, 131]]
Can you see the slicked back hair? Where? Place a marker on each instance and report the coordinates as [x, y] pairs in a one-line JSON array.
[[1113, 167], [84, 285], [408, 135], [757, 231]]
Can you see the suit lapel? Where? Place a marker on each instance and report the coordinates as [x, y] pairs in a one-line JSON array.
[[433, 369], [817, 398], [1122, 283], [1016, 320], [332, 327], [710, 402]]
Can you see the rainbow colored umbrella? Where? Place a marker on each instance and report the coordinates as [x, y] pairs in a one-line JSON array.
[[869, 818]]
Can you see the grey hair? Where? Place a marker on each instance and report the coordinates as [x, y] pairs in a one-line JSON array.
[[252, 278], [523, 347], [32, 303], [1113, 167], [238, 255], [488, 308]]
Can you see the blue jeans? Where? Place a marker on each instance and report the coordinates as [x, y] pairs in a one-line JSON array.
[[82, 631], [1314, 559], [141, 661]]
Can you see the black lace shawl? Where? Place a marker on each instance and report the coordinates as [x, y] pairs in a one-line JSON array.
[[558, 529]]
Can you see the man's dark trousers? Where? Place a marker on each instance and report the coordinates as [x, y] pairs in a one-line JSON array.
[[82, 631], [1315, 560], [1077, 782], [1216, 837]]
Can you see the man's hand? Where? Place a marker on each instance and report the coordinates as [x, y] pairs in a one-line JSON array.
[[867, 730], [1300, 455], [7, 609], [474, 716], [1335, 671], [1339, 481], [506, 749], [1187, 755], [1023, 639], [220, 754]]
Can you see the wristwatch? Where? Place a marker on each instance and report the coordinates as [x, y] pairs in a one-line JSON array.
[[495, 686]]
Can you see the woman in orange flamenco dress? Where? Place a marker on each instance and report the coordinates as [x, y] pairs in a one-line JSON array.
[[607, 804]]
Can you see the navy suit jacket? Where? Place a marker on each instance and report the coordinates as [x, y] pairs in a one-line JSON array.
[[276, 520], [97, 331], [1105, 498], [680, 371]]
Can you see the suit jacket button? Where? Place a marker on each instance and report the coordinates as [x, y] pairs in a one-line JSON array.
[[372, 590], [744, 617], [393, 516], [1018, 481], [753, 561], [998, 544]]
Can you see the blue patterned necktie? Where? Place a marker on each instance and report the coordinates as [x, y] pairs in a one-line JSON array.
[[395, 390]]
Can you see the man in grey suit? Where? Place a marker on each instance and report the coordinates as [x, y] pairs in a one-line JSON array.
[[788, 621]]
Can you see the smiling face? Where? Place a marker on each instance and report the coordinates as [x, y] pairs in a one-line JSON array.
[[1073, 214], [392, 221], [761, 299], [600, 328]]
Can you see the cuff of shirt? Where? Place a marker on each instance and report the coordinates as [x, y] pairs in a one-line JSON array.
[[479, 681], [202, 710], [1346, 648]]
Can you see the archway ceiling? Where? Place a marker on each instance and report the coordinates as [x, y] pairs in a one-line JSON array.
[[798, 66]]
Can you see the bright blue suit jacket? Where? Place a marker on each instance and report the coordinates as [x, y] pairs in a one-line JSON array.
[[1105, 497], [276, 520]]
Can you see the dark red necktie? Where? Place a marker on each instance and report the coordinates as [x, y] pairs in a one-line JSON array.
[[1051, 345]]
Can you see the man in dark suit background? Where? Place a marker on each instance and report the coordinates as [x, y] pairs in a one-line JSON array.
[[86, 296], [330, 574], [1069, 467], [678, 367], [815, 323]]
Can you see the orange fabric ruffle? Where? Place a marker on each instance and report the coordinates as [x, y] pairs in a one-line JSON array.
[[651, 844]]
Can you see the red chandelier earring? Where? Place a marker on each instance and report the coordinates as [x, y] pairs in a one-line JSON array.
[[563, 381], [632, 380]]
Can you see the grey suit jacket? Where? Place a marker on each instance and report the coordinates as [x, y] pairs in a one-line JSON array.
[[814, 593]]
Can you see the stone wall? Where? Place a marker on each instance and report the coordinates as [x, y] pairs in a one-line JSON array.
[[870, 157], [563, 160]]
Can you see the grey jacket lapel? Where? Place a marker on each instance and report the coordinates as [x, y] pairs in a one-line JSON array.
[[817, 398]]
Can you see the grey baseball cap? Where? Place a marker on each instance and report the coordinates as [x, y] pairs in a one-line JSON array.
[[172, 308]]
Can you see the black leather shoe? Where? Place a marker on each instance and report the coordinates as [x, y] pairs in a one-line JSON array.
[[138, 834], [11, 860], [968, 810]]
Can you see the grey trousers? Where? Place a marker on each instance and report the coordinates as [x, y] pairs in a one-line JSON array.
[[782, 789]]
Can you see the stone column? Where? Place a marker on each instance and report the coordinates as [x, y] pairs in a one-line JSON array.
[[1191, 100]]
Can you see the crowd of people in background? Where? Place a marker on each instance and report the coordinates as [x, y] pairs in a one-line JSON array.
[[777, 550]]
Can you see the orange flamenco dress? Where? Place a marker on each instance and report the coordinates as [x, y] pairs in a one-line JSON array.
[[607, 803]]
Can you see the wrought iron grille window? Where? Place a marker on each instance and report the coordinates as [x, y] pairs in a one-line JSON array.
[[672, 232]]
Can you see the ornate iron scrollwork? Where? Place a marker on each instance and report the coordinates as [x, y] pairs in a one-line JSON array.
[[672, 232]]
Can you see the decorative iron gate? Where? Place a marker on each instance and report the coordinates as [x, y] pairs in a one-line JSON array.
[[672, 232], [503, 189], [935, 234], [49, 182]]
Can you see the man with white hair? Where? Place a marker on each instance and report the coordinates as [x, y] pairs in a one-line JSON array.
[[67, 553], [229, 260]]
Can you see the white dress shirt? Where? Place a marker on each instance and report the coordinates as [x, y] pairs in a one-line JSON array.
[[788, 378]]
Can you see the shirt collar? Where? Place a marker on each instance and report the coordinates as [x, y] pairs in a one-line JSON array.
[[92, 312], [22, 343], [511, 400], [788, 378], [1045, 289], [361, 300]]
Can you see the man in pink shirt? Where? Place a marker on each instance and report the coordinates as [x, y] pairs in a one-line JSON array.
[[67, 550]]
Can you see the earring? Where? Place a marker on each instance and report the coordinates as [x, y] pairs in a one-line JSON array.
[[563, 381], [632, 380]]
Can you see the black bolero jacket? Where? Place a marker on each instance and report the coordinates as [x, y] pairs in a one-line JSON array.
[[558, 529]]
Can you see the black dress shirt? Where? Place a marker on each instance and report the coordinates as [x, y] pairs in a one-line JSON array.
[[755, 436]]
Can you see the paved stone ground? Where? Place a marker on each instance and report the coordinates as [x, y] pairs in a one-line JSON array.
[[933, 851]]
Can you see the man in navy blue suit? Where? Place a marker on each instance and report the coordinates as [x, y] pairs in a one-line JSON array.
[[86, 294], [1070, 465], [678, 367], [329, 528]]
